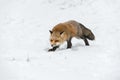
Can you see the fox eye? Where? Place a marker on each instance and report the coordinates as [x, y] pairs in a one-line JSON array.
[[51, 40], [56, 40]]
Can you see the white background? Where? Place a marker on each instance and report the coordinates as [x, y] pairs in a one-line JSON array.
[[24, 40]]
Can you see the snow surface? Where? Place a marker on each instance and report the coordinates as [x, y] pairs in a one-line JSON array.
[[24, 40]]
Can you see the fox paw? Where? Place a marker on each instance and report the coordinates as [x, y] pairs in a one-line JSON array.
[[51, 50]]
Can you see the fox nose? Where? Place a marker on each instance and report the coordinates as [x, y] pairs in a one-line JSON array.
[[52, 45]]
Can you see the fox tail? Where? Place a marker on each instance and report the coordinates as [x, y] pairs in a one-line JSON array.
[[87, 33]]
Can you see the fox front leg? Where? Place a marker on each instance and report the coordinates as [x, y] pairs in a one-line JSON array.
[[53, 49], [69, 44]]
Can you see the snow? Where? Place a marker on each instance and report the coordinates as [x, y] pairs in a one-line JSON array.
[[24, 40]]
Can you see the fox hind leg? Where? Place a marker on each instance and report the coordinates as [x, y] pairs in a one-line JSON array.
[[86, 42]]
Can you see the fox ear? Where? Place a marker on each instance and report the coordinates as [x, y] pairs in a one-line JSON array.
[[61, 32], [50, 31]]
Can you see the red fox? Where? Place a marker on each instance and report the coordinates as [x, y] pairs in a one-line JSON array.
[[66, 31]]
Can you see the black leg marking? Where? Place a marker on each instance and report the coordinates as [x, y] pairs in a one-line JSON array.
[[86, 42], [54, 48], [69, 44]]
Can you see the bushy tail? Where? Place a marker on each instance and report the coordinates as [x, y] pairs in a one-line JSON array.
[[87, 33], [90, 36]]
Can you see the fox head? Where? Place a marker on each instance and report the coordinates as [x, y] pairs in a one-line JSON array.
[[56, 38]]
